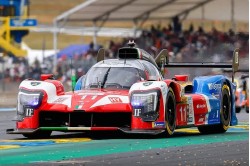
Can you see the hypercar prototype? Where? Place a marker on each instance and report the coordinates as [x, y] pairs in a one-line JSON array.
[[128, 94]]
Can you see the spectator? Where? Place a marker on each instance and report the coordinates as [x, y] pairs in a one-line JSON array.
[[182, 46], [177, 25]]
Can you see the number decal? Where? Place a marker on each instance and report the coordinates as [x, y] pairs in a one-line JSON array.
[[137, 112], [29, 111]]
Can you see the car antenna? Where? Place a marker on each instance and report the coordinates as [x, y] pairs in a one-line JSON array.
[[131, 44], [73, 76]]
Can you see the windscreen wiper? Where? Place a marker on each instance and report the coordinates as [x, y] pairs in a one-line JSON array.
[[105, 77]]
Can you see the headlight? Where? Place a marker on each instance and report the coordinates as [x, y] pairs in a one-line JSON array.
[[27, 102], [32, 100], [145, 105]]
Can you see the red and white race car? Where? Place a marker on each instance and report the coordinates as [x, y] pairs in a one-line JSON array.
[[127, 94]]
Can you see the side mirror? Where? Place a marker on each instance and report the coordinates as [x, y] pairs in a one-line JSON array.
[[235, 65], [236, 60], [100, 55], [162, 57], [161, 60]]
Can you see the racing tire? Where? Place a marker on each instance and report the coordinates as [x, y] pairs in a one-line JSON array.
[[247, 110], [225, 115], [38, 134], [170, 113]]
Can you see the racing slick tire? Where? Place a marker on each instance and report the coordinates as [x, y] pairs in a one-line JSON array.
[[38, 134], [247, 110], [225, 115], [170, 113]]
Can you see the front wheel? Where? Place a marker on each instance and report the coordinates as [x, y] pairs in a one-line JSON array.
[[38, 134], [170, 112], [225, 115]]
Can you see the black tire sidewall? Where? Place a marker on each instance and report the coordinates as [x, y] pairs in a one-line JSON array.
[[170, 127], [225, 122]]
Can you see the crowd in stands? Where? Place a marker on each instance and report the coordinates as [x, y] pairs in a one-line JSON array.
[[189, 43], [183, 45], [17, 69]]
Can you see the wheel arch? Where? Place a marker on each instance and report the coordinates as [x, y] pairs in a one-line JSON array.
[[177, 91], [232, 88]]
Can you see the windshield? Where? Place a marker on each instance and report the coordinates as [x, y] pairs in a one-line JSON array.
[[113, 77]]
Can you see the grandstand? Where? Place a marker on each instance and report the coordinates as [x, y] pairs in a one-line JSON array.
[[208, 19], [209, 38], [100, 12]]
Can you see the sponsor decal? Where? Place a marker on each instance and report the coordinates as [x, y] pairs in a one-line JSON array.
[[60, 100], [147, 83], [190, 119], [217, 115], [190, 110], [182, 92], [201, 106], [35, 83], [212, 86], [216, 95], [159, 124], [93, 97], [137, 112], [115, 100], [111, 99], [190, 104], [201, 120]]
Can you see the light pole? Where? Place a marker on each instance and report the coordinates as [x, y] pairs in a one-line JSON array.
[[3, 71]]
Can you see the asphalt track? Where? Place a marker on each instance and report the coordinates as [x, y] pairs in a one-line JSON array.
[[186, 147]]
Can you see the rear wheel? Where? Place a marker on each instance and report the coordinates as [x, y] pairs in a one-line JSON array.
[[38, 134], [225, 115], [170, 112]]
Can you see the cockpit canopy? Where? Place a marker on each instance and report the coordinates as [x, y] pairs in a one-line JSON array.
[[113, 77], [119, 74]]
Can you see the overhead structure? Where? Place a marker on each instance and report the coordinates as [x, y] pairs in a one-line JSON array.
[[15, 23], [137, 11], [127, 10], [89, 31]]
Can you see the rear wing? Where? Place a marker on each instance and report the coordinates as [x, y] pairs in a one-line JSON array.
[[238, 71], [163, 61]]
